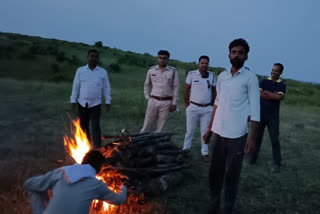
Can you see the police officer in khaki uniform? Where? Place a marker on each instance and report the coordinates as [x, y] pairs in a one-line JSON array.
[[161, 89], [199, 93]]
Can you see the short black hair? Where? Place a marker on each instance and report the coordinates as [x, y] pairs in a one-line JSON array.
[[164, 52], [93, 51], [239, 42], [204, 57], [95, 159], [280, 65]]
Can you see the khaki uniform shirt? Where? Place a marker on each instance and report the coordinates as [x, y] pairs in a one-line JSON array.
[[162, 83]]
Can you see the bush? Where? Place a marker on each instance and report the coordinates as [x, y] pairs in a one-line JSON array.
[[55, 67], [114, 68], [61, 56], [98, 44], [37, 50], [26, 56]]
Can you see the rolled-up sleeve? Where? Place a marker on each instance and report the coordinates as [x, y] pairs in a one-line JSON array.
[[147, 86], [107, 89], [175, 88], [75, 88], [254, 98]]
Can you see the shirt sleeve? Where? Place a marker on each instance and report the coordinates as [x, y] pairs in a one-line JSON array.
[[261, 85], [75, 88], [175, 87], [147, 85], [107, 89], [38, 187], [254, 98], [213, 80], [218, 85], [188, 79], [112, 197], [283, 89]]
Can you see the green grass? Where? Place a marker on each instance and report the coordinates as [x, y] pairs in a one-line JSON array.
[[34, 119]]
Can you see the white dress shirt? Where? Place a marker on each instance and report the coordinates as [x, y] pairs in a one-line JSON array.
[[89, 86], [201, 88], [238, 97]]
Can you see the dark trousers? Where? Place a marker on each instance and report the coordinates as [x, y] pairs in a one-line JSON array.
[[272, 122], [226, 161], [91, 114]]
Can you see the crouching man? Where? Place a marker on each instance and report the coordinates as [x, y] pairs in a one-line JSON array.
[[74, 188]]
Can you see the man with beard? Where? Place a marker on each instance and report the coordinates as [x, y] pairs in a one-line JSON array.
[[90, 83], [272, 91], [237, 102], [161, 90], [199, 93]]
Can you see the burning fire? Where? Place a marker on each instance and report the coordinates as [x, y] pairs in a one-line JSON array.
[[80, 145], [77, 147]]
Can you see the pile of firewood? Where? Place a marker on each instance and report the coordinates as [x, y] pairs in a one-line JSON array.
[[149, 162]]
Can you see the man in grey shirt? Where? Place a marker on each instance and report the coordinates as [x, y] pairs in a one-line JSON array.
[[73, 187]]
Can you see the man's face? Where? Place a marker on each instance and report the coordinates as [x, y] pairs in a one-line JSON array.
[[203, 65], [276, 72], [163, 60], [238, 56], [93, 58]]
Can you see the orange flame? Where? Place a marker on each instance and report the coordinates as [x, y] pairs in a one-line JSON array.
[[80, 145], [77, 147]]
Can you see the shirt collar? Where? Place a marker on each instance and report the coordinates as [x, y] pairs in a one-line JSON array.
[[87, 66], [166, 68], [239, 71], [278, 80]]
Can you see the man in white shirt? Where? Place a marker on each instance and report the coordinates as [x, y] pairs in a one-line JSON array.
[[199, 92], [90, 83], [237, 102], [161, 90]]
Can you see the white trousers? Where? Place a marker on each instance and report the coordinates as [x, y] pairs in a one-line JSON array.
[[157, 113], [194, 114]]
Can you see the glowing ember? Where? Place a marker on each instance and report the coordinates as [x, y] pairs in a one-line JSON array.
[[79, 146]]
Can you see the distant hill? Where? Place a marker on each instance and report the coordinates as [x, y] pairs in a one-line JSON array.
[[50, 60], [36, 58]]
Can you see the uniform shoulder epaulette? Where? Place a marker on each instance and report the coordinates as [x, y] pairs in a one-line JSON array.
[[173, 68], [247, 68], [152, 67]]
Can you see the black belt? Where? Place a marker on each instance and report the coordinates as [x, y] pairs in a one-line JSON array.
[[161, 98], [201, 105]]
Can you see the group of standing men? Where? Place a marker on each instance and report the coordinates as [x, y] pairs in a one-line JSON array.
[[223, 106]]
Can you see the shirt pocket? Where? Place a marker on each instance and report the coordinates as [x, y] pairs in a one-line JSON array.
[[155, 78], [239, 94]]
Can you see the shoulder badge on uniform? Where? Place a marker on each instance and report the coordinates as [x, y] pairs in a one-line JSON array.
[[247, 68]]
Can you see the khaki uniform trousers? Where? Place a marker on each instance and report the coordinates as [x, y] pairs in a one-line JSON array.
[[157, 112]]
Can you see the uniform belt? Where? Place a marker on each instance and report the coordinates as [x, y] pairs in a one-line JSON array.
[[161, 98], [200, 105]]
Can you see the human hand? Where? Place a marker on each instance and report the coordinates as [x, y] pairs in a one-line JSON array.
[[172, 108], [74, 108], [206, 136], [250, 145], [107, 107]]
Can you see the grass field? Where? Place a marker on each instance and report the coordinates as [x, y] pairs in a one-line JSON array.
[[33, 121]]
